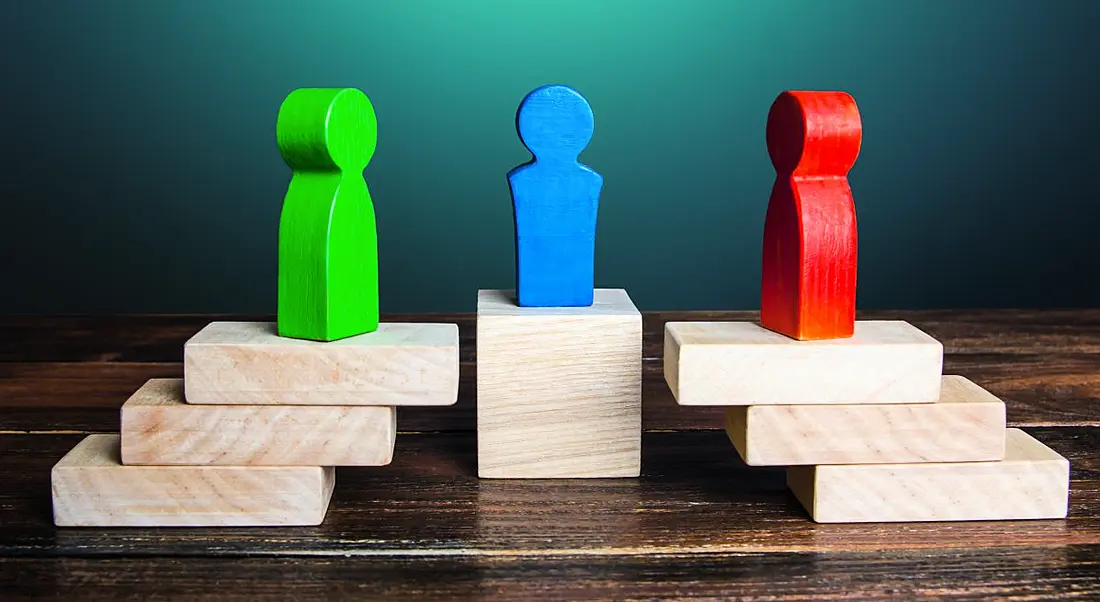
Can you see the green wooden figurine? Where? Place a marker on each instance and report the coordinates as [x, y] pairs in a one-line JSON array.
[[328, 244]]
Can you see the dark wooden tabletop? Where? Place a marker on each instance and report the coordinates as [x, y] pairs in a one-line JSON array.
[[697, 523]]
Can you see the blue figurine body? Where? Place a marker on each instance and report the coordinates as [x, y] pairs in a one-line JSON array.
[[555, 200]]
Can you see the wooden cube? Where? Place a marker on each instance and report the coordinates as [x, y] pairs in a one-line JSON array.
[[559, 388], [91, 488], [967, 424], [741, 363], [158, 428], [1031, 482], [400, 364]]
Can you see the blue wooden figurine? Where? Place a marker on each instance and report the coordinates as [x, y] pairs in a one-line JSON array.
[[555, 200]]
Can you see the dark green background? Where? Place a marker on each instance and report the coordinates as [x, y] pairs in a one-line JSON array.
[[141, 172]]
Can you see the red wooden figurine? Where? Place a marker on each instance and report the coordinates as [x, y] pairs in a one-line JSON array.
[[809, 274]]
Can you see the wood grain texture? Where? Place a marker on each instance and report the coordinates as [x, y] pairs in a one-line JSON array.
[[808, 287], [559, 389], [328, 241], [91, 488], [160, 338], [145, 337], [555, 200], [1031, 482], [1048, 389], [696, 523], [248, 363], [78, 370], [160, 428], [741, 363], [967, 424], [1040, 390], [1012, 573], [694, 496]]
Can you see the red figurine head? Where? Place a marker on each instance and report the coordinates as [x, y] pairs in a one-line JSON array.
[[814, 133]]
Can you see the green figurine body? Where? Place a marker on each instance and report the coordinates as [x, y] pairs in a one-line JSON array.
[[328, 242]]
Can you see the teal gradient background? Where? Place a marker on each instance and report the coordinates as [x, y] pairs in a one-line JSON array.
[[141, 172]]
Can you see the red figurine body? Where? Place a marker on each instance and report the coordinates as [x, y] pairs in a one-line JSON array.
[[809, 274]]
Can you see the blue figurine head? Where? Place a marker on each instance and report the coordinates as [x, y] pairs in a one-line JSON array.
[[555, 123]]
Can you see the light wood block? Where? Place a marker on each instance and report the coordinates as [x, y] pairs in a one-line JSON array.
[[1031, 482], [400, 364], [158, 428], [559, 388], [741, 363], [91, 488], [967, 424]]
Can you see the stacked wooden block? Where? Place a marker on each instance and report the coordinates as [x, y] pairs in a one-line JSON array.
[[559, 389], [251, 435], [869, 428]]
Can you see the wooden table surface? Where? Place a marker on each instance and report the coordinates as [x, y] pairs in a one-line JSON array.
[[698, 523]]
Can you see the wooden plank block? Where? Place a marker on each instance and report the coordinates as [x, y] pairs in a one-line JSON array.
[[967, 424], [1031, 482], [328, 241], [404, 364], [742, 363], [159, 428], [91, 488], [559, 389], [431, 498], [555, 200], [808, 284]]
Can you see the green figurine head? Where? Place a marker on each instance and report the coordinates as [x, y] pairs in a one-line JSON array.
[[327, 129]]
